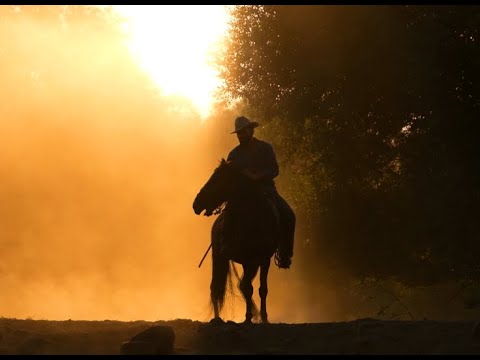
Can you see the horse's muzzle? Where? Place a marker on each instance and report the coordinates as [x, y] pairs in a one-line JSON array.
[[197, 207]]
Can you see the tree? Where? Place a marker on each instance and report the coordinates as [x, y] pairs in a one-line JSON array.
[[374, 109]]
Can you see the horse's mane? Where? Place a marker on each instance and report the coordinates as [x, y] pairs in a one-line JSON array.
[[223, 162], [231, 164]]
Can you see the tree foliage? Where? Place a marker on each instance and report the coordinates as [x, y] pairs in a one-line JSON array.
[[374, 112]]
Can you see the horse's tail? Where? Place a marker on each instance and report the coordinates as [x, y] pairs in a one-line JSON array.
[[220, 277], [220, 267]]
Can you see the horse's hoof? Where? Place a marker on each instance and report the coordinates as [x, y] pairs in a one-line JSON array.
[[265, 321], [217, 321], [247, 322]]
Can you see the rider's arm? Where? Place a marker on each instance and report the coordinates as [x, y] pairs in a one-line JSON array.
[[271, 166], [270, 169]]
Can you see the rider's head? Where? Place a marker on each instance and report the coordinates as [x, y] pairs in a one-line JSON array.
[[244, 129]]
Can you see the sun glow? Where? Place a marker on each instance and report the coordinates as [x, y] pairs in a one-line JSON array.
[[174, 45]]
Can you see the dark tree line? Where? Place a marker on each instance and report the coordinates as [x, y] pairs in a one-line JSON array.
[[374, 112]]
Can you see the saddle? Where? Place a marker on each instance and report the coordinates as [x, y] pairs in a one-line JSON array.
[[238, 237]]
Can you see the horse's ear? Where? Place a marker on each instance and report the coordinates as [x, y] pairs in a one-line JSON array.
[[223, 162]]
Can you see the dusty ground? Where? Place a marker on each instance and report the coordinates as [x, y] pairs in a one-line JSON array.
[[365, 336]]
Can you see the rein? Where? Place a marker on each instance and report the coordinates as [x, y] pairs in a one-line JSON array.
[[219, 209]]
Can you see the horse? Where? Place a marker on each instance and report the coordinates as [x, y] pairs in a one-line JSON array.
[[246, 232]]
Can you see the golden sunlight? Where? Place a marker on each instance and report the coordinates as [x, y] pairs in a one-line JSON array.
[[173, 44]]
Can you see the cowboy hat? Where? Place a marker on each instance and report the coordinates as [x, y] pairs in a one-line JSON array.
[[242, 122]]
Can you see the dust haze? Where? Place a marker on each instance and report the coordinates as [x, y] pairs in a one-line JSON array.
[[99, 172]]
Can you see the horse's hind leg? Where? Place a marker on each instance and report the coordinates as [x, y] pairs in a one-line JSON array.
[[246, 287], [263, 290]]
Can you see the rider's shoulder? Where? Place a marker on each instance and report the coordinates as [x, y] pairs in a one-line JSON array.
[[264, 144], [235, 149], [233, 152]]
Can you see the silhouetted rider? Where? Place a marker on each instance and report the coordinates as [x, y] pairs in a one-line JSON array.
[[257, 160]]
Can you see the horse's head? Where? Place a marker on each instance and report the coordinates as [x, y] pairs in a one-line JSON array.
[[217, 189]]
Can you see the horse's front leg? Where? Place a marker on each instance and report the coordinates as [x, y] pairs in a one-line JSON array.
[[216, 310], [263, 290], [246, 287]]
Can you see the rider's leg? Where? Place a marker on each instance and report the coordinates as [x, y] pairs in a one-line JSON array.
[[287, 221]]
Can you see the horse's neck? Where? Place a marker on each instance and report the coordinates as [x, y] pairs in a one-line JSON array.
[[246, 185], [247, 195]]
